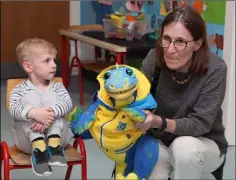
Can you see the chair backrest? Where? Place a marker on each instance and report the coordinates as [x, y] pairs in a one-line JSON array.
[[90, 27], [11, 83]]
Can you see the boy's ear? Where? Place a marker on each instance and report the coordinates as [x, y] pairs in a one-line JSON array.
[[27, 66]]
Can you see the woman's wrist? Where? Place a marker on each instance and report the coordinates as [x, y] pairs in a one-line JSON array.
[[157, 122], [170, 124]]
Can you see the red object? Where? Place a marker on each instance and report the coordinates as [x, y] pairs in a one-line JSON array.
[[130, 18], [5, 157], [75, 62]]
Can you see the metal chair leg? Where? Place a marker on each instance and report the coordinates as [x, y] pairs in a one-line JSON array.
[[68, 172], [1, 154], [6, 158], [80, 142]]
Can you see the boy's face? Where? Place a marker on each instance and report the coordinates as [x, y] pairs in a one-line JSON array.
[[42, 66]]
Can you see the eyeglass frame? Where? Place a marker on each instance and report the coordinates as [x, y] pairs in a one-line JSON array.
[[171, 41]]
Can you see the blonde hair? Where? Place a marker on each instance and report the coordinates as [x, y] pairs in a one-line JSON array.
[[32, 46]]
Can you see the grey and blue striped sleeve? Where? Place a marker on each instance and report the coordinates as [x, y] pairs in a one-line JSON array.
[[16, 109], [64, 105]]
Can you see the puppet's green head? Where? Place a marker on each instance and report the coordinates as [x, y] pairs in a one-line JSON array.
[[120, 82]]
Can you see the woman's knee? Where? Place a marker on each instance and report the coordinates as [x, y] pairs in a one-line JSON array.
[[185, 150]]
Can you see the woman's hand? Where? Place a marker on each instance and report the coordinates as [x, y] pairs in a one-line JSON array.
[[150, 121]]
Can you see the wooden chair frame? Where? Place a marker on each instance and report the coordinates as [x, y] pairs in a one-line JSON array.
[[21, 160]]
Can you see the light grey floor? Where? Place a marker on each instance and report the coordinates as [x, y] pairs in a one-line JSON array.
[[98, 166]]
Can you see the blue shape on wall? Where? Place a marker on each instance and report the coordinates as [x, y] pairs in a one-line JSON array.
[[100, 11]]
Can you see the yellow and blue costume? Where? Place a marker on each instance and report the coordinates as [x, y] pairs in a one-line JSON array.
[[109, 120]]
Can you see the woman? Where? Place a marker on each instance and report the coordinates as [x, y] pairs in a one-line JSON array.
[[190, 91]]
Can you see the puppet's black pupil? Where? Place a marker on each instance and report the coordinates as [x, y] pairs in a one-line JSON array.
[[107, 75], [129, 72]]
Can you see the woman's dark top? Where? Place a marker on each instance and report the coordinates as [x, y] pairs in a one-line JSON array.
[[196, 105]]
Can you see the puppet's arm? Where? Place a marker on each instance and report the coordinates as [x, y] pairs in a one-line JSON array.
[[80, 122], [74, 118], [135, 110]]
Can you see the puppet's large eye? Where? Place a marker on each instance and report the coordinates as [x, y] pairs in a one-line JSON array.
[[107, 75], [129, 72]]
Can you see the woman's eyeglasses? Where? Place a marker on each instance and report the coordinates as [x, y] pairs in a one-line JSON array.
[[179, 44]]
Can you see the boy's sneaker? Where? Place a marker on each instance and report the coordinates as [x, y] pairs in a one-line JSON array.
[[39, 162], [56, 156]]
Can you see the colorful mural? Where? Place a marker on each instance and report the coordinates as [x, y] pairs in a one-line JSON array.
[[213, 13]]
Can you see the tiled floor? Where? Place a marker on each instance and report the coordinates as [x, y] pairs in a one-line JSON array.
[[99, 167]]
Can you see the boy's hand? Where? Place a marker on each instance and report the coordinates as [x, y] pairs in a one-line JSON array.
[[37, 127], [42, 115]]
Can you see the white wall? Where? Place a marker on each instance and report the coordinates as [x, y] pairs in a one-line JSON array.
[[75, 20], [74, 12], [229, 57]]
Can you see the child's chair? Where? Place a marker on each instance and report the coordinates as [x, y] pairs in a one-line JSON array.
[[22, 161], [88, 64]]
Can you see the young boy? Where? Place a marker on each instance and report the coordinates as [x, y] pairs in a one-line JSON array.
[[38, 106]]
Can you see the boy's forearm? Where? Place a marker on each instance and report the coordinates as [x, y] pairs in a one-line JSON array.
[[61, 108], [29, 114], [20, 112], [64, 105]]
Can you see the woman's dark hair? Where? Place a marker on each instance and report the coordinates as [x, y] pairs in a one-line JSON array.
[[194, 23]]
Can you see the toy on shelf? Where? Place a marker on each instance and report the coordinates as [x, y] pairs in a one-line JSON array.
[[124, 26]]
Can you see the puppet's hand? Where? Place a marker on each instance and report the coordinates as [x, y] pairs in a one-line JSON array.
[[80, 121], [74, 117], [135, 114]]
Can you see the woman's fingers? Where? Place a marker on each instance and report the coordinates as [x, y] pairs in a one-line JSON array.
[[141, 126], [138, 125], [146, 112]]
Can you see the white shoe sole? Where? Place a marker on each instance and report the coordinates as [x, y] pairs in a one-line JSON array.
[[57, 164], [47, 173]]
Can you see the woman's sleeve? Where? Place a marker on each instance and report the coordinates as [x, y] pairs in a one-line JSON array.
[[148, 64]]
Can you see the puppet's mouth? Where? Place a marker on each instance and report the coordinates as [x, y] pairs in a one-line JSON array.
[[124, 91]]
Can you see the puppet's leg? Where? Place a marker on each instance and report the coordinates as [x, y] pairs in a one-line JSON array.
[[119, 172], [146, 156], [123, 169], [120, 164]]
